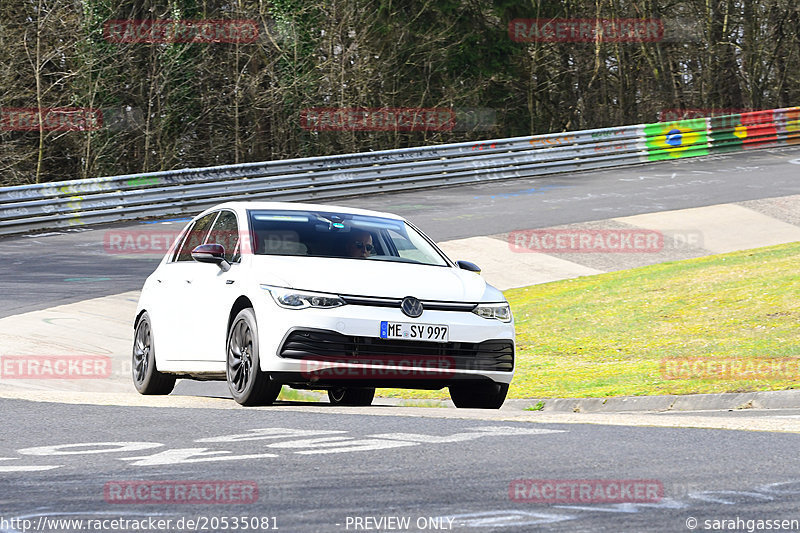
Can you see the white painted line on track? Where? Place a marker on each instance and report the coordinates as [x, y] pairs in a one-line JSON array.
[[308, 446]]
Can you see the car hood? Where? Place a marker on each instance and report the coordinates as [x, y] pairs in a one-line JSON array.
[[366, 277]]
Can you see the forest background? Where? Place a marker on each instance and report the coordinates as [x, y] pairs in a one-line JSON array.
[[168, 105]]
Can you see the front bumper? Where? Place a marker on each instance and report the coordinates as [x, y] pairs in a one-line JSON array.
[[330, 346], [342, 347]]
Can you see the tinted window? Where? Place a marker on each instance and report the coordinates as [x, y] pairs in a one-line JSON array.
[[195, 237], [345, 235], [226, 232], [406, 248]]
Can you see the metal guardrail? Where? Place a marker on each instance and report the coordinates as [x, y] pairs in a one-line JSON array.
[[91, 201]]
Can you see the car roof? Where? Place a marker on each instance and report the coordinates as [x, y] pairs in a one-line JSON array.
[[296, 206]]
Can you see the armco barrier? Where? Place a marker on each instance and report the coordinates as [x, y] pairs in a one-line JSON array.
[[97, 200]]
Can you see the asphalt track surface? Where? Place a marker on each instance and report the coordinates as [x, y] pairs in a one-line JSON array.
[[71, 266], [319, 470], [430, 468]]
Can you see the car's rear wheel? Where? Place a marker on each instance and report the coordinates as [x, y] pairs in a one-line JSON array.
[[351, 396], [247, 383], [479, 395], [146, 377]]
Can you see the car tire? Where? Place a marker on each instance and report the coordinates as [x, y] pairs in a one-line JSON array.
[[146, 377], [351, 396], [247, 383], [479, 396]]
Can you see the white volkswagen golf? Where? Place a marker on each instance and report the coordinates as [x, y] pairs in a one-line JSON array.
[[266, 294]]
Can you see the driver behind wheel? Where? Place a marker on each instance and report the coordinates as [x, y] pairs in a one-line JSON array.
[[359, 244]]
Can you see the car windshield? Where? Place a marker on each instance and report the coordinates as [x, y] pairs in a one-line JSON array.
[[343, 235]]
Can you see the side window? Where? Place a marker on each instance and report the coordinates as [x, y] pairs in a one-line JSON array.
[[406, 248], [195, 237], [226, 233]]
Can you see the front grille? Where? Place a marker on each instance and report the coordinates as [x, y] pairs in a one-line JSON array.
[[428, 305], [492, 355]]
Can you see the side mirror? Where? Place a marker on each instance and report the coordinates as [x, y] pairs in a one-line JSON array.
[[211, 253], [466, 265]]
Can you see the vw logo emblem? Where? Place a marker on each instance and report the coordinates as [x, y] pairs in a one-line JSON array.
[[411, 307]]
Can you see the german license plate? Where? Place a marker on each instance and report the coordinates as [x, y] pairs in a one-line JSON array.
[[414, 332]]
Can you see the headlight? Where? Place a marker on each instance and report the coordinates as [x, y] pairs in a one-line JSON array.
[[292, 299], [501, 312]]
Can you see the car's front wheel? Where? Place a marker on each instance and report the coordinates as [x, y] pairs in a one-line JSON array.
[[351, 396], [146, 377], [480, 395], [247, 383]]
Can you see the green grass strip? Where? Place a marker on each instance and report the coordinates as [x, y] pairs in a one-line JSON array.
[[644, 331]]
